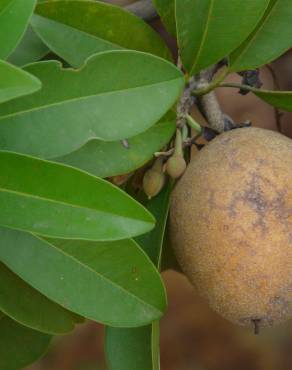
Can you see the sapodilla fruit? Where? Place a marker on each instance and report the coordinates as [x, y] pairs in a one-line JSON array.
[[231, 225]]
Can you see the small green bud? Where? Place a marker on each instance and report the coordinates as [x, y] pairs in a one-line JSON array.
[[154, 179], [176, 166]]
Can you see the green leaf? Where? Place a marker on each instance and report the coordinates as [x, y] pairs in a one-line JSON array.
[[14, 18], [30, 49], [20, 346], [271, 38], [117, 95], [77, 29], [208, 30], [155, 345], [279, 99], [28, 307], [129, 348], [15, 82], [139, 348], [166, 11], [59, 201], [106, 159], [110, 282], [152, 242]]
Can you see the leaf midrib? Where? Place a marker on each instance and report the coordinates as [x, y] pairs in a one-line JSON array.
[[45, 106], [90, 35], [256, 32], [205, 33], [73, 205], [100, 276]]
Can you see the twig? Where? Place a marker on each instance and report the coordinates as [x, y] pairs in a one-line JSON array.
[[207, 85], [209, 102], [185, 103], [212, 111]]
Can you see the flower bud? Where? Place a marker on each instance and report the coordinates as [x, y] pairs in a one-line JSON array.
[[154, 179], [176, 166]]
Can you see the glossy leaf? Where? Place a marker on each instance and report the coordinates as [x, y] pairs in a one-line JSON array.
[[113, 282], [166, 10], [279, 99], [15, 82], [208, 30], [28, 307], [30, 49], [129, 348], [59, 201], [152, 242], [139, 348], [117, 95], [77, 29], [14, 18], [155, 344], [106, 159], [272, 37], [20, 346]]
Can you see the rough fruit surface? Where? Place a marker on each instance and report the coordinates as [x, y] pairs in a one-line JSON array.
[[231, 225]]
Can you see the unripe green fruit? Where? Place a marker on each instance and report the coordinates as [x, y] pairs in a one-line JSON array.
[[176, 166]]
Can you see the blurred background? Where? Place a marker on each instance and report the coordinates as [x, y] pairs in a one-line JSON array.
[[193, 337]]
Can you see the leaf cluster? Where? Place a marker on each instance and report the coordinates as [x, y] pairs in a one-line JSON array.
[[89, 93]]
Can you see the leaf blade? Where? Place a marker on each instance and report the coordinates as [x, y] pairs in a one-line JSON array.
[[220, 27], [72, 107], [91, 27], [279, 99], [107, 159], [152, 242], [20, 346], [261, 48], [29, 50], [108, 272], [15, 82], [29, 308], [139, 348], [16, 13], [37, 196], [128, 348], [166, 11]]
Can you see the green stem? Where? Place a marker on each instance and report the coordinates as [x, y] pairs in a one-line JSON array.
[[193, 124], [239, 86], [178, 150]]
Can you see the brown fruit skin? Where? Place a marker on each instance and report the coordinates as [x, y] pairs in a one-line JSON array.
[[231, 225]]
